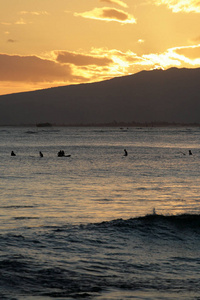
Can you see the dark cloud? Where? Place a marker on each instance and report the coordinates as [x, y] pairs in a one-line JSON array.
[[32, 69], [81, 59], [114, 14], [108, 14], [11, 41]]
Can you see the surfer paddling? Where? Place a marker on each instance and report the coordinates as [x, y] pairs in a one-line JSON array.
[[61, 153], [125, 152]]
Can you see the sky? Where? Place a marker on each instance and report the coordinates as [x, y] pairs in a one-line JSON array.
[[48, 43]]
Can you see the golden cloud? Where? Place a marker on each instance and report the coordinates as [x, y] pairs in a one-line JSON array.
[[192, 52], [65, 67], [21, 22], [118, 63], [186, 56], [81, 59], [108, 14], [181, 5], [117, 2], [197, 39], [6, 23], [36, 13]]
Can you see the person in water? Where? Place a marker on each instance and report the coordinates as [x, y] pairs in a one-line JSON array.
[[41, 154], [125, 152], [190, 152], [61, 153], [13, 154]]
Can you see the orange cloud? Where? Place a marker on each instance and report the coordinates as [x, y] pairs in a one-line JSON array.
[[6, 23], [117, 2], [11, 41], [181, 5], [192, 52], [81, 59], [32, 69], [21, 22], [36, 13], [197, 39], [186, 56], [65, 67], [108, 14], [112, 63]]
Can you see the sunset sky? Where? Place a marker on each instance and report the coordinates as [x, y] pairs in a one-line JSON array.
[[47, 43]]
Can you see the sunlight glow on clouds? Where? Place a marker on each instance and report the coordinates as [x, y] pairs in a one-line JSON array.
[[181, 5], [21, 22], [67, 67], [108, 14], [192, 52], [117, 2], [188, 55], [52, 43], [178, 56], [6, 23], [36, 13], [101, 63]]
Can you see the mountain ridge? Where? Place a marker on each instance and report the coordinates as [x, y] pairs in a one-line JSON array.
[[148, 96]]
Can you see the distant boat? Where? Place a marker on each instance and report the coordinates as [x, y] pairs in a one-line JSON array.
[[44, 125]]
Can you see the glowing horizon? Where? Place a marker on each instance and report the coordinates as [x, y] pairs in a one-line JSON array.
[[79, 42]]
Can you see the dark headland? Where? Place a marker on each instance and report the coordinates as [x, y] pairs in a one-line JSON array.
[[166, 97]]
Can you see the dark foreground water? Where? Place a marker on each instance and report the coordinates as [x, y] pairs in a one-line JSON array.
[[98, 225]]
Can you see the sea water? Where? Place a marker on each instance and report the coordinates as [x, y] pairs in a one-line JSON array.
[[98, 224]]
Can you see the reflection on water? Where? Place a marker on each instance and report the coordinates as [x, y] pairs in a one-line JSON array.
[[97, 224], [97, 182]]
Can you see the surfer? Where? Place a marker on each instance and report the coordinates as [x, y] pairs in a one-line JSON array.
[[190, 152], [41, 154], [13, 154], [61, 153], [125, 152]]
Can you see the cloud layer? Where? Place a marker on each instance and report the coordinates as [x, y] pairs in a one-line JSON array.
[[117, 2], [181, 5], [32, 69], [108, 14], [81, 59], [65, 67], [150, 41]]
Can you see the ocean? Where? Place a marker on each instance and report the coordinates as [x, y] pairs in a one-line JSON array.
[[98, 224]]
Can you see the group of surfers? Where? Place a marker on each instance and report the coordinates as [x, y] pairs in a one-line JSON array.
[[61, 153]]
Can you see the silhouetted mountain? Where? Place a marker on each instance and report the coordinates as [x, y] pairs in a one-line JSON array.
[[169, 96]]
